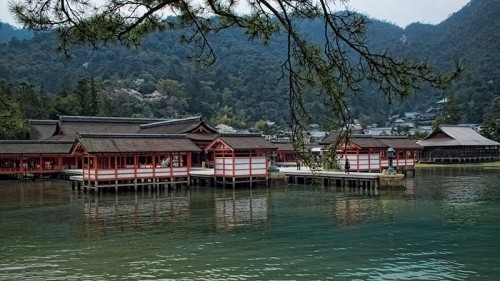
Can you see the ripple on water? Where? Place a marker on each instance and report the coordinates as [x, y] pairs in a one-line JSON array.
[[412, 266]]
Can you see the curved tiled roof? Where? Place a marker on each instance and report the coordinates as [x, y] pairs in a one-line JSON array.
[[131, 143], [34, 147], [70, 126], [447, 135], [41, 129], [244, 141], [176, 126], [398, 142]]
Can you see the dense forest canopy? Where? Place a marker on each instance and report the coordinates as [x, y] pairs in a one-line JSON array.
[[8, 32], [243, 86]]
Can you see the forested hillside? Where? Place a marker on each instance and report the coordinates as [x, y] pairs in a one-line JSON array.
[[244, 86], [8, 32]]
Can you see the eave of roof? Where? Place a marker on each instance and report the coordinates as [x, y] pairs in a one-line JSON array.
[[133, 143], [23, 147], [456, 136], [184, 125], [98, 119], [244, 142]]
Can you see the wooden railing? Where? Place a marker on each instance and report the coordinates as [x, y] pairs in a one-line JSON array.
[[131, 173]]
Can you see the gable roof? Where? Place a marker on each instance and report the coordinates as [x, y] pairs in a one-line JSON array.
[[340, 133], [382, 142], [41, 129], [194, 124], [398, 142], [449, 135], [9, 147], [285, 146], [132, 143], [366, 141], [68, 127], [242, 142]]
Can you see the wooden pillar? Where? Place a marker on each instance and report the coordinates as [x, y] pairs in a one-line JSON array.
[[380, 160], [136, 165], [397, 159], [233, 155], [251, 168], [406, 158], [369, 160], [153, 164], [96, 169]]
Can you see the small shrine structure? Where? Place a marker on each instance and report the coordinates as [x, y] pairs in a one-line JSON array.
[[134, 159], [241, 158]]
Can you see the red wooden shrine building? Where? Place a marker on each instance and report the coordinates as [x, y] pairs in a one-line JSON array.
[[22, 157], [241, 158], [132, 159], [369, 153]]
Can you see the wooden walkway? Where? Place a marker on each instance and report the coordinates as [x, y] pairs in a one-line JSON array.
[[205, 177], [331, 178]]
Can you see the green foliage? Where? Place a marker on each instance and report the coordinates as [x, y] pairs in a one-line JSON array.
[[493, 110], [87, 93], [227, 116], [451, 112], [265, 128], [491, 129], [173, 101], [13, 123], [66, 105], [333, 65], [8, 33], [245, 77], [35, 104]]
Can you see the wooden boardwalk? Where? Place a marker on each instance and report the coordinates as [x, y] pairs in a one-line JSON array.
[[286, 175], [331, 178]]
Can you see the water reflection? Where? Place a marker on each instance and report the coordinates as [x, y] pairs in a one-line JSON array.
[[30, 194], [230, 208], [234, 209], [444, 229], [137, 210], [354, 211]]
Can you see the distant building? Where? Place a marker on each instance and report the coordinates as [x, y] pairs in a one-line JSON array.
[[456, 144], [378, 131], [369, 153], [411, 115], [240, 158], [426, 118]]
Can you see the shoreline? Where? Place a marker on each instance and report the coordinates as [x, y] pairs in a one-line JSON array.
[[494, 164]]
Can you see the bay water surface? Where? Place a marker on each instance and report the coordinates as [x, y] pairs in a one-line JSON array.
[[444, 226]]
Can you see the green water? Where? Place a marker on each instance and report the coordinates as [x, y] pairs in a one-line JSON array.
[[446, 226]]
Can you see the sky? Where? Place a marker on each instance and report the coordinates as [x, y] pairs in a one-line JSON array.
[[399, 12]]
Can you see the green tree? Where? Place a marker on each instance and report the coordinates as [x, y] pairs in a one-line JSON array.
[[493, 111], [88, 91], [451, 111], [66, 104], [366, 120], [173, 101], [13, 123], [226, 115], [34, 104], [491, 129], [335, 65], [265, 128]]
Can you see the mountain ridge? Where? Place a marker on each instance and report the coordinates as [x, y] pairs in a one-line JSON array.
[[244, 80]]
